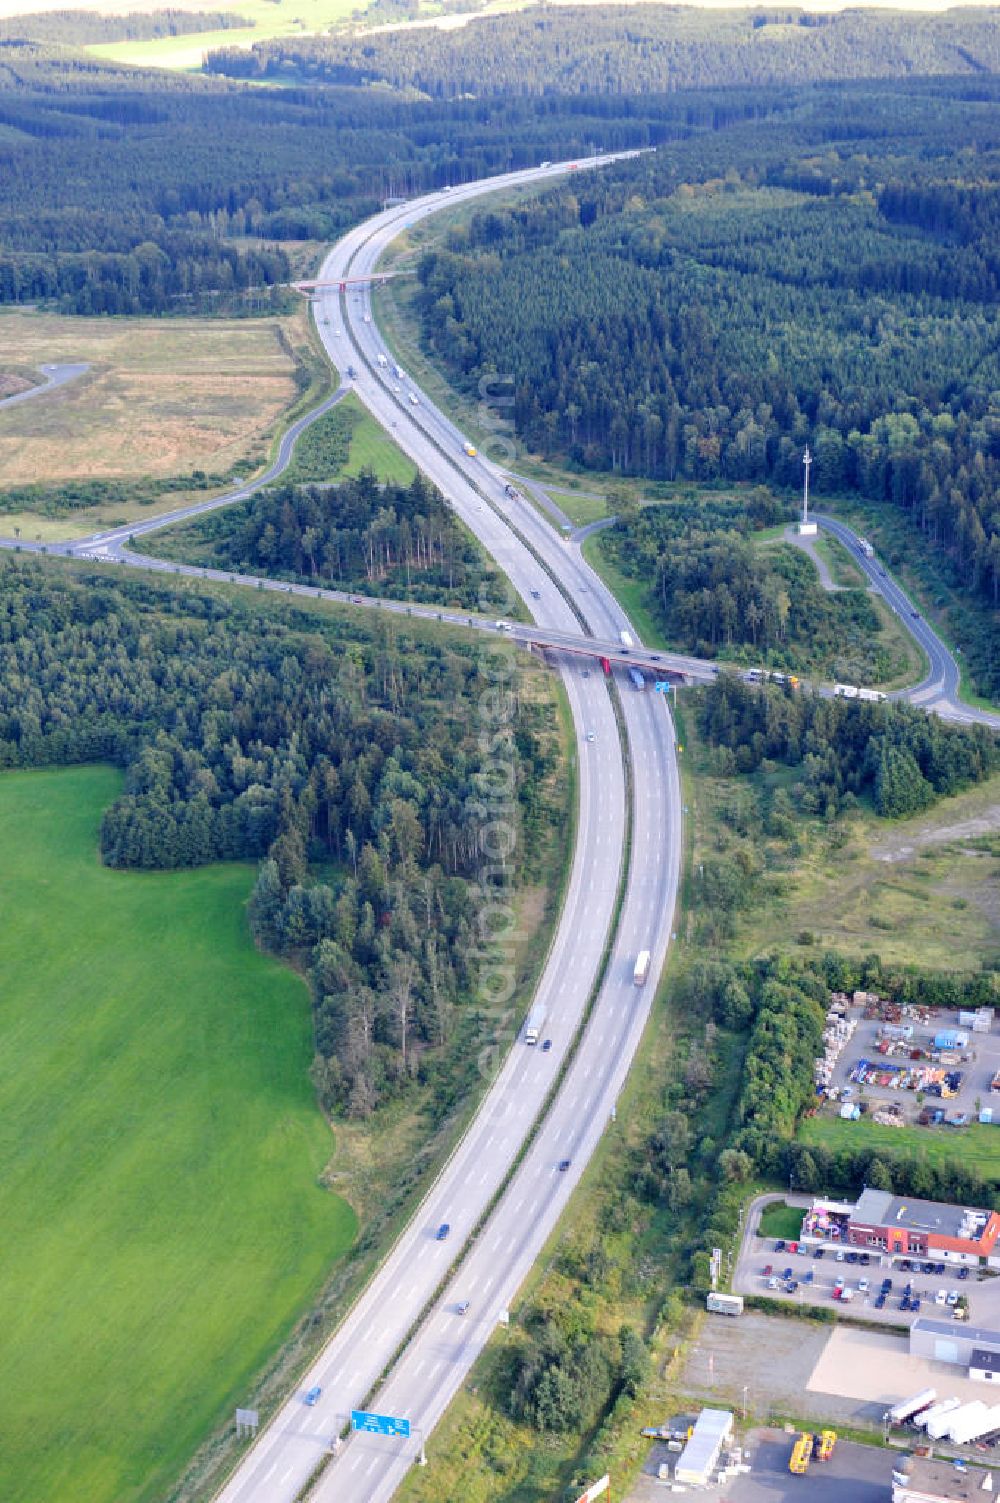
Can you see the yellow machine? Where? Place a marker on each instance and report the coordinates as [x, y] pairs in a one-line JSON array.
[[801, 1455], [470, 449], [825, 1444]]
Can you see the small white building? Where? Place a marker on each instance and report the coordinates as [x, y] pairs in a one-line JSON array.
[[984, 1365], [700, 1457]]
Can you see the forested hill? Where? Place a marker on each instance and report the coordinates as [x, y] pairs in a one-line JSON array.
[[634, 49], [128, 191], [836, 284]]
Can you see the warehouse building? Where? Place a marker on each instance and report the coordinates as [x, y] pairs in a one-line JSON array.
[[700, 1457], [917, 1479], [951, 1341]]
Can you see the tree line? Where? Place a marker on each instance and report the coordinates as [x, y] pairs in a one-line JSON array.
[[78, 28], [358, 534], [344, 757]]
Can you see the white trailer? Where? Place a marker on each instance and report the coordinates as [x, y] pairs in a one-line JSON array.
[[941, 1425], [906, 1409], [625, 637], [967, 1426], [641, 968], [944, 1406]]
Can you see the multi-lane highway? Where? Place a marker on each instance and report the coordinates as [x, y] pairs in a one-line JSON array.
[[561, 592], [628, 779]]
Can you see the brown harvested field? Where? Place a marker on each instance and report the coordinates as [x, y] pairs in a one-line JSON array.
[[163, 397]]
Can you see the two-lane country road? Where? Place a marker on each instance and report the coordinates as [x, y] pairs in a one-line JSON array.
[[940, 690]]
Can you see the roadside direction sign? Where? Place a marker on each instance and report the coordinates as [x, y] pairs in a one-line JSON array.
[[378, 1424]]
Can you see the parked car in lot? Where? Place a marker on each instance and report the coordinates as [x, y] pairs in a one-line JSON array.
[[808, 1278], [863, 1286], [820, 1252], [941, 1298], [791, 1286], [963, 1273], [880, 1302], [768, 1270], [904, 1303], [886, 1285], [915, 1303], [779, 1246], [840, 1283], [852, 1257], [952, 1297], [787, 1274], [864, 1259], [841, 1255], [772, 1283]]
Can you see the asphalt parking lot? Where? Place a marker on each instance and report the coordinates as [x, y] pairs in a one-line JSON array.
[[854, 1474], [817, 1278], [982, 1290], [978, 1062]]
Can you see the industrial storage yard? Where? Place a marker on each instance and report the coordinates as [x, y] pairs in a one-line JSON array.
[[908, 1064]]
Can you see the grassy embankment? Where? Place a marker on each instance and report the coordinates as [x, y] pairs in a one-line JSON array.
[[163, 1218]]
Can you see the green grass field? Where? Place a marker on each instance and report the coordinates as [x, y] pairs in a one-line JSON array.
[[781, 1220], [977, 1146], [162, 1220], [372, 449]]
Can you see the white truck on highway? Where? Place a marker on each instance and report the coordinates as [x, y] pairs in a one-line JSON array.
[[641, 968], [625, 637], [383, 362], [534, 1023], [865, 548]]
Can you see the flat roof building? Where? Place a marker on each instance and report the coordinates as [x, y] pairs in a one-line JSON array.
[[917, 1479], [700, 1456], [950, 1340], [902, 1226]]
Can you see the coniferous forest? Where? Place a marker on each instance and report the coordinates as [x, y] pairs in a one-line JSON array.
[[392, 540]]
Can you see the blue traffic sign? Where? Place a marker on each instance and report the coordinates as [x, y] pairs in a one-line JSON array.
[[378, 1424], [662, 686]]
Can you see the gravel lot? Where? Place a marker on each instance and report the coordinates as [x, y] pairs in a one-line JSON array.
[[775, 1358]]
